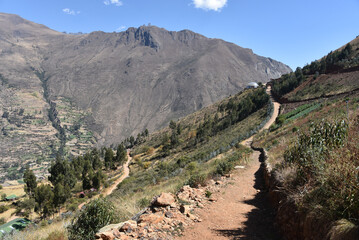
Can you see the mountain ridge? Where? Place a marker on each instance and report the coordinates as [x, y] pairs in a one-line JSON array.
[[123, 82]]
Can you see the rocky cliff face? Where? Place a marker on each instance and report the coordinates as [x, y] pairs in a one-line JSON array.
[[128, 81]]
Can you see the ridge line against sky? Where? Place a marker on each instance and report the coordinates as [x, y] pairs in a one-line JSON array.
[[293, 32]]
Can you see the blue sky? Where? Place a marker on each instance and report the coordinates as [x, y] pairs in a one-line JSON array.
[[292, 31]]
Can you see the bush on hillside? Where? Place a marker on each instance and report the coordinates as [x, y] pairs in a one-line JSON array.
[[327, 176], [97, 214], [197, 180], [224, 167]]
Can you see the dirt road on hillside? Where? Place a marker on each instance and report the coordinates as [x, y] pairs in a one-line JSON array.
[[242, 210], [110, 189], [126, 172]]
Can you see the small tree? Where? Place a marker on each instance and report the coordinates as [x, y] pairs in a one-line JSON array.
[[25, 207], [44, 200], [97, 179], [121, 154], [108, 158], [172, 125], [61, 194], [30, 182], [97, 214]]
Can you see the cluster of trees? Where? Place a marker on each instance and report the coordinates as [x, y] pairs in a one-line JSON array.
[[130, 142], [111, 160], [64, 174], [234, 110], [334, 61], [288, 82], [172, 141]]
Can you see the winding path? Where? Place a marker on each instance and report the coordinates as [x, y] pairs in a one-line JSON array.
[[242, 210], [110, 189], [126, 172]]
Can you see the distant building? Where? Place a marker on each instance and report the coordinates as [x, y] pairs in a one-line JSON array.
[[252, 85], [12, 197]]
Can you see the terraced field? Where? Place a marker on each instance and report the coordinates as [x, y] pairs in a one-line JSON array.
[[28, 137]]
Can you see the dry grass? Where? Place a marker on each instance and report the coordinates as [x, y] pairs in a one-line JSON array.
[[7, 215], [42, 233], [18, 190]]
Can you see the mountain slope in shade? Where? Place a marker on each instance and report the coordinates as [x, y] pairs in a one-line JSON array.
[[128, 81]]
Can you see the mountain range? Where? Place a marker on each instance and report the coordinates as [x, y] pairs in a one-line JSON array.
[[74, 91]]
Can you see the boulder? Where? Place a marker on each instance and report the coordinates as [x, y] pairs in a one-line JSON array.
[[126, 228], [106, 235], [111, 227], [150, 218], [165, 199]]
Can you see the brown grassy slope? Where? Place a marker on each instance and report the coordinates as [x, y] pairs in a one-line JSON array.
[[325, 85]]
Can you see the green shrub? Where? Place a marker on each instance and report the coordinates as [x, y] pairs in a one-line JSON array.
[[72, 207], [280, 120], [224, 167], [197, 179], [310, 151], [192, 166], [97, 214], [327, 164], [208, 194], [3, 208]]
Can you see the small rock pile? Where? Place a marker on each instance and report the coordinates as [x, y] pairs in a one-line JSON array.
[[165, 218]]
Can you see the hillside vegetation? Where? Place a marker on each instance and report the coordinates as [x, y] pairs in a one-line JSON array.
[[333, 74], [64, 93], [314, 148], [202, 145], [191, 150]]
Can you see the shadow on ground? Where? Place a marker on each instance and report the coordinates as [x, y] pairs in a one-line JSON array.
[[260, 223]]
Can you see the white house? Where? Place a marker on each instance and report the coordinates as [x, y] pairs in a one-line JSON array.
[[252, 85]]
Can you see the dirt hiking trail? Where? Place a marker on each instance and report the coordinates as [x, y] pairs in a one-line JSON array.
[[126, 172], [242, 210], [121, 176]]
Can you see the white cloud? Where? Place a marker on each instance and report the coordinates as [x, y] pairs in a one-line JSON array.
[[121, 28], [215, 5], [114, 2], [70, 11]]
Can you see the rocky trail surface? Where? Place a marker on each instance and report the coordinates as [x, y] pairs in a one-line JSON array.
[[242, 210]]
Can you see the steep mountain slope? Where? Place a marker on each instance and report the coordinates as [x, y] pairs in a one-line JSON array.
[[103, 87], [144, 77]]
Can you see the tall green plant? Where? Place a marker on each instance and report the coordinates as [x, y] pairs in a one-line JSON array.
[[311, 149], [97, 214]]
